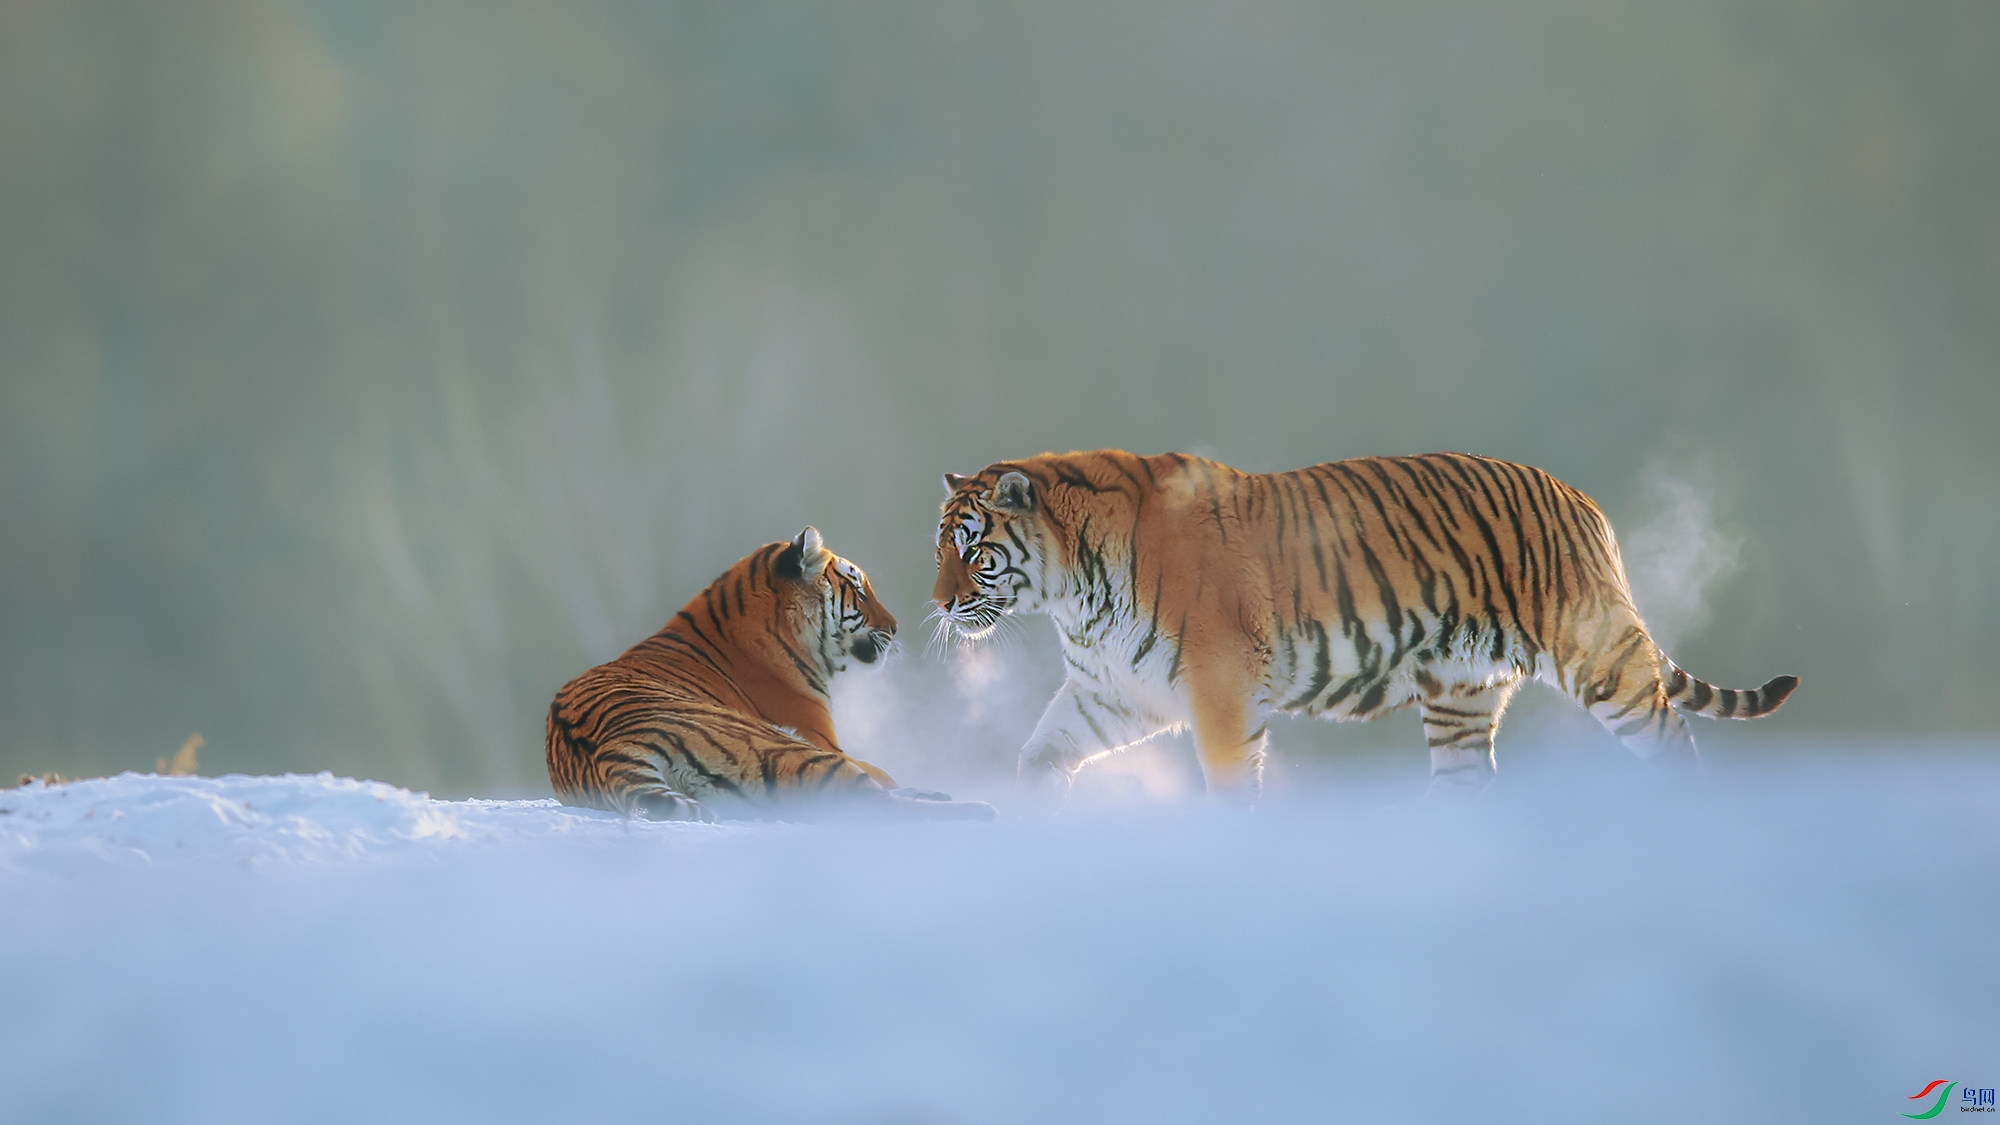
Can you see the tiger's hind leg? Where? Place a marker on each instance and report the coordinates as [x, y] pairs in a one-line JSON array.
[[1458, 726], [1648, 725], [662, 803], [1628, 698], [630, 780]]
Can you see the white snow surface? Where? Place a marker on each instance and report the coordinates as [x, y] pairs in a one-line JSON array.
[[1801, 943]]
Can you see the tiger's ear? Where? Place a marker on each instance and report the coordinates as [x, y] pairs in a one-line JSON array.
[[1014, 493], [953, 482], [806, 555]]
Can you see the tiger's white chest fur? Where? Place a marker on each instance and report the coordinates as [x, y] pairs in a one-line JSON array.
[[1126, 663], [1115, 673]]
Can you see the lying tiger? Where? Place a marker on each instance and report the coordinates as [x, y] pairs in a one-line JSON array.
[[724, 711], [1188, 593]]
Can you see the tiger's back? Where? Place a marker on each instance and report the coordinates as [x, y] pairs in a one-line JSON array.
[[1443, 568]]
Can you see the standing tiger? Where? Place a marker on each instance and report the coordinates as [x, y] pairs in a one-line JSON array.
[[1187, 593], [724, 711]]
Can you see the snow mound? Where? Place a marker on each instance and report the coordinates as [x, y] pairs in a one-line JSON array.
[[1812, 943], [142, 819]]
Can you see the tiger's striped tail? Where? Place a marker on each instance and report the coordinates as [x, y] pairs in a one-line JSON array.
[[1698, 697]]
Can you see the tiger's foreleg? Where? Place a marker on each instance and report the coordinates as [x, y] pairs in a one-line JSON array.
[[918, 804], [836, 787], [1230, 731], [1459, 724], [1079, 724], [880, 776]]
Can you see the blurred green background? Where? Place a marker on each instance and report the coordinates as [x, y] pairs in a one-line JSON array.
[[368, 369]]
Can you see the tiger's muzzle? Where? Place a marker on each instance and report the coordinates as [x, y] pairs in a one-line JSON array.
[[973, 616], [872, 645]]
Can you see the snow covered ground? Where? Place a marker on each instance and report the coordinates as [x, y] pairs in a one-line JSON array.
[[1807, 942]]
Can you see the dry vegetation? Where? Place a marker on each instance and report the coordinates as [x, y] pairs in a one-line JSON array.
[[182, 764]]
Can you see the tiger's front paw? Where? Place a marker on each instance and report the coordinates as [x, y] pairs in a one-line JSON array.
[[1459, 783], [964, 810], [921, 804], [1044, 779]]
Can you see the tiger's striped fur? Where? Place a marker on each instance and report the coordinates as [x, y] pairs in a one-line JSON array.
[[1186, 593], [724, 711]]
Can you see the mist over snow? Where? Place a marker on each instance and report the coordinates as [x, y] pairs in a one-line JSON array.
[[1680, 552], [956, 716], [1808, 939]]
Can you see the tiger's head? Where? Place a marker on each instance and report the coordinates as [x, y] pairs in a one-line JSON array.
[[838, 615], [990, 551]]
